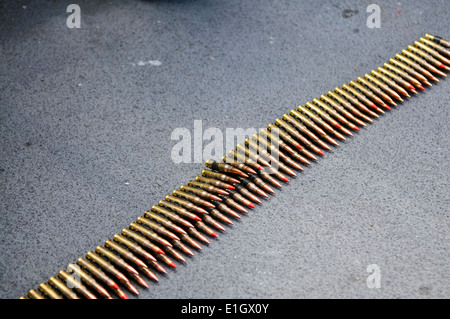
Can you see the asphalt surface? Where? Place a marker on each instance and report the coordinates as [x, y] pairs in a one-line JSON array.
[[87, 117]]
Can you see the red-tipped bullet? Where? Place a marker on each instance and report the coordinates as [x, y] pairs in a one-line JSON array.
[[121, 294]]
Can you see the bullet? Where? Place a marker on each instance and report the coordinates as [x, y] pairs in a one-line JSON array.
[[317, 120], [262, 151], [423, 60], [199, 192], [276, 173], [377, 90], [150, 274], [207, 230], [186, 204], [231, 203], [347, 106], [172, 216], [389, 82], [100, 275], [159, 253], [115, 259], [362, 104], [359, 96], [276, 140], [48, 291], [267, 177], [435, 54], [124, 253], [157, 228], [292, 131], [142, 241], [274, 162], [410, 70], [275, 149], [164, 222], [404, 75], [224, 167], [165, 259], [429, 55], [326, 117], [62, 288], [174, 253], [226, 210], [35, 294], [300, 127], [245, 159], [254, 156], [107, 267], [133, 247], [211, 221], [216, 214], [157, 266], [264, 142], [239, 165], [304, 130], [208, 187], [342, 111], [247, 183], [214, 182], [280, 134], [179, 210], [247, 194], [438, 40], [195, 233], [311, 125], [439, 48], [259, 182], [398, 79], [75, 284], [335, 114], [191, 241], [220, 176], [416, 66], [386, 88], [88, 280], [192, 198], [178, 244], [369, 94]]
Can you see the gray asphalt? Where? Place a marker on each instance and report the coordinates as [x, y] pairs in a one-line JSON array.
[[87, 116]]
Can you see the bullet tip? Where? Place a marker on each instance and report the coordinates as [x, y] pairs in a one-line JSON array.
[[230, 187], [356, 128], [321, 152], [285, 179], [422, 88]]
